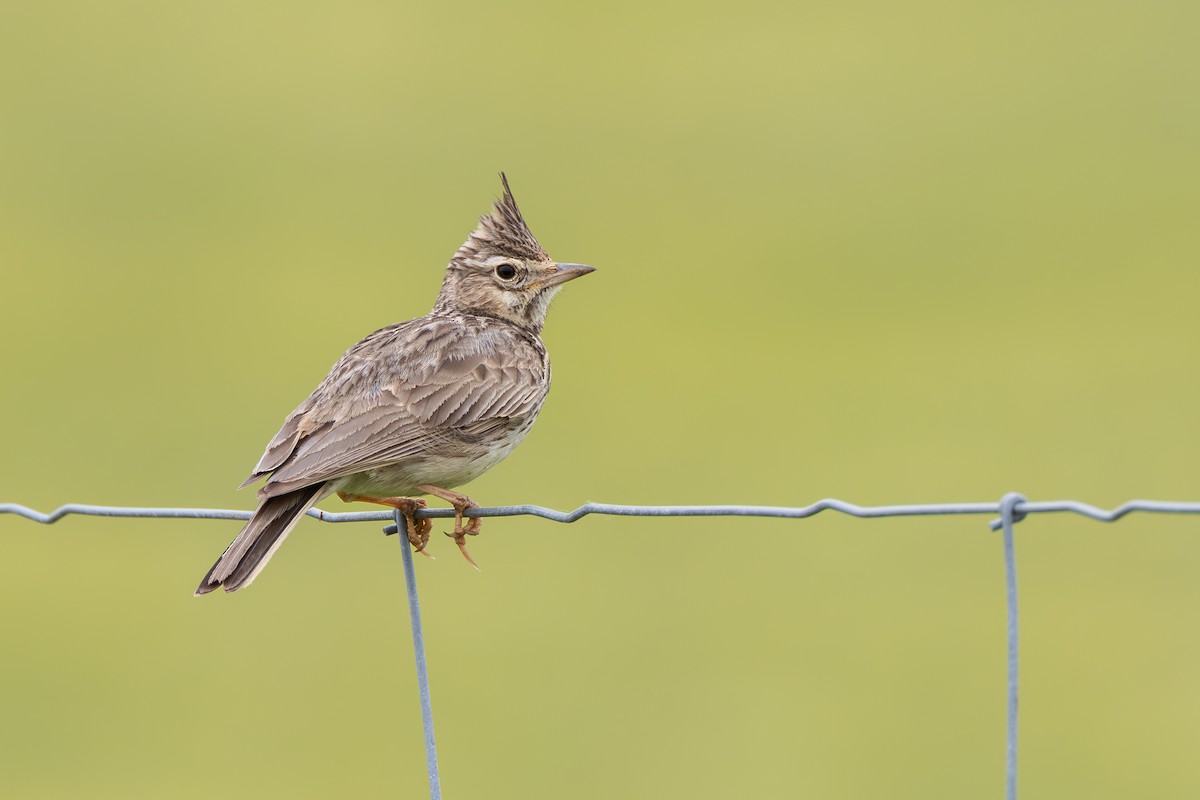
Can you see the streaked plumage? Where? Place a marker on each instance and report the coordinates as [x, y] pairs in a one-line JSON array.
[[433, 402]]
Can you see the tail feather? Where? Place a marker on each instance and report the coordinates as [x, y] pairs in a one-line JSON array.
[[247, 554]]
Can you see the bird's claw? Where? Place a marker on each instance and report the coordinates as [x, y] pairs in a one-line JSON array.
[[418, 529], [461, 531], [460, 539]]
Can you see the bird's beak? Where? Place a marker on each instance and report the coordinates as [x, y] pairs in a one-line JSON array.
[[566, 272]]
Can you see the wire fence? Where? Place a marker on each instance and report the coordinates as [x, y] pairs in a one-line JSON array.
[[1009, 510]]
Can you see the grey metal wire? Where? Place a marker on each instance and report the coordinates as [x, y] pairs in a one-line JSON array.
[[1010, 509], [414, 615], [1008, 516], [1022, 509]]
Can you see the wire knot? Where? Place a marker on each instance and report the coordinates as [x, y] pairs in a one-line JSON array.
[[1008, 510]]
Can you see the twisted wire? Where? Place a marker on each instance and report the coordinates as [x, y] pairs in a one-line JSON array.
[[1020, 509]]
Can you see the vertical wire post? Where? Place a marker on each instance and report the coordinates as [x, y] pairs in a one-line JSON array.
[[414, 613], [1009, 515]]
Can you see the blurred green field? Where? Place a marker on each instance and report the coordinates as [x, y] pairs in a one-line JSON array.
[[926, 252]]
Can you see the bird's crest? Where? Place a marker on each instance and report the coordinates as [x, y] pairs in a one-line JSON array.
[[503, 231]]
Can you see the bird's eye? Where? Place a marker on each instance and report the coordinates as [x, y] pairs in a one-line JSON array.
[[506, 272]]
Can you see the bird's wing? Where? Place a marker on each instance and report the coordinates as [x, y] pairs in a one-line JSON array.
[[411, 389]]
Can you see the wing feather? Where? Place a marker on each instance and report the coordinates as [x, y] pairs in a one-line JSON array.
[[416, 388]]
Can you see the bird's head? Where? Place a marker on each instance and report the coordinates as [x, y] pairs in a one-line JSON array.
[[501, 271]]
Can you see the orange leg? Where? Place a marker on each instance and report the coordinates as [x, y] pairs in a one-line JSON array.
[[461, 503], [418, 529]]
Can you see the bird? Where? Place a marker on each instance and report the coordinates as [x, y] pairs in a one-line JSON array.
[[420, 407]]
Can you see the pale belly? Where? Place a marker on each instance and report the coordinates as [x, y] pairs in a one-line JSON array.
[[445, 471]]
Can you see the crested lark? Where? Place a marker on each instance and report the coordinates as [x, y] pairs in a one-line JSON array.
[[419, 407]]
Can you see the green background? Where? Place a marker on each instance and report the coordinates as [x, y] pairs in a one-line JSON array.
[[920, 252]]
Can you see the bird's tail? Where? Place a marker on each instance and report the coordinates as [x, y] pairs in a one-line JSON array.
[[245, 557]]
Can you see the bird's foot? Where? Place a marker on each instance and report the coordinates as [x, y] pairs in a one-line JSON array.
[[418, 529], [461, 503]]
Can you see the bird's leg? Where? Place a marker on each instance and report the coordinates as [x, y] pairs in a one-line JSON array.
[[461, 503], [418, 529]]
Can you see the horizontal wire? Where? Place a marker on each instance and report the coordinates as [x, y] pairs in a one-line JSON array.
[[1021, 510]]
